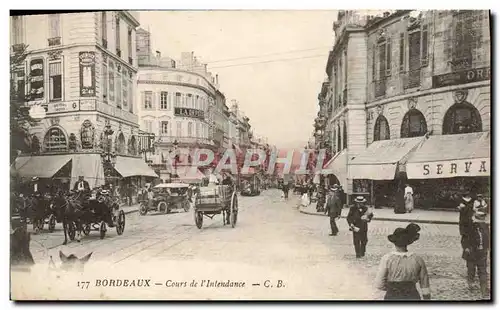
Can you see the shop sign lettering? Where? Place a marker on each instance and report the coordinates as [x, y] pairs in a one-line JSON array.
[[59, 107], [461, 77], [449, 169], [187, 112]]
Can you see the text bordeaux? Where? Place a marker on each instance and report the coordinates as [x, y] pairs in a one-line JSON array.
[[467, 167]]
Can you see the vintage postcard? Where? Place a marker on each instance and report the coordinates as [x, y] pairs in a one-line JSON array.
[[250, 155]]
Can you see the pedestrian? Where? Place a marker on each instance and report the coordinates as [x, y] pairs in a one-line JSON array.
[[399, 206], [480, 204], [286, 188], [304, 200], [150, 198], [476, 245], [322, 195], [408, 198], [400, 271], [466, 209], [358, 218], [334, 208]]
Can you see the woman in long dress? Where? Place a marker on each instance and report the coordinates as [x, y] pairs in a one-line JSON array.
[[400, 271], [408, 198]]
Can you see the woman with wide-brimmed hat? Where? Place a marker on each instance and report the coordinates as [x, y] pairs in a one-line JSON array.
[[400, 271]]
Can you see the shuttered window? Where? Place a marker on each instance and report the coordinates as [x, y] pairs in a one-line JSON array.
[[55, 74]]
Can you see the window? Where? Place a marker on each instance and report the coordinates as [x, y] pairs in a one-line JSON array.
[[388, 60], [55, 140], [402, 52], [148, 100], [111, 81], [462, 118], [374, 63], [344, 138], [198, 130], [20, 84], [339, 139], [105, 79], [382, 49], [345, 70], [425, 47], [164, 128], [117, 37], [55, 25], [18, 30], [177, 102], [120, 146], [130, 95], [125, 90], [55, 74], [466, 38], [414, 62], [414, 124], [129, 45], [118, 85], [381, 131], [104, 29], [190, 129], [189, 101], [179, 129], [164, 100], [148, 126]]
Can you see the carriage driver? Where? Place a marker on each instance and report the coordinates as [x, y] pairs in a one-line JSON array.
[[82, 187]]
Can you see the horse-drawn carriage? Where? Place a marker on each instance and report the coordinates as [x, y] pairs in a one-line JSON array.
[[213, 200], [167, 197], [250, 185], [35, 209]]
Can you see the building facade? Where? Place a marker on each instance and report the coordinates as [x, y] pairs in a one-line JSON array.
[[400, 76], [82, 69]]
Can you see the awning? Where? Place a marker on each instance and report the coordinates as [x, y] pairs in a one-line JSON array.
[[90, 167], [380, 160], [40, 166], [449, 156], [132, 166], [337, 166]]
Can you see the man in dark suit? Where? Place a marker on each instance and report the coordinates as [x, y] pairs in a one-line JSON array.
[[81, 185], [358, 218], [466, 209], [333, 208]]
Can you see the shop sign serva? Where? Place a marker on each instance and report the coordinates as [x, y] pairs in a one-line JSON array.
[[448, 169]]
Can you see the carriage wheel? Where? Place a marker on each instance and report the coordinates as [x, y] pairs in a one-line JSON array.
[[162, 207], [186, 206], [143, 208], [234, 210], [71, 231], [102, 229], [52, 222], [198, 219], [86, 229], [120, 225]]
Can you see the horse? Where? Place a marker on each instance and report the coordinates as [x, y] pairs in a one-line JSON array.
[[70, 262]]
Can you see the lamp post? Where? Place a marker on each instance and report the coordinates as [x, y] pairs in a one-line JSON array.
[[108, 157], [175, 145]]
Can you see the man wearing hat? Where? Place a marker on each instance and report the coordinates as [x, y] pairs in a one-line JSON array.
[[476, 244], [333, 208], [358, 218], [466, 209], [480, 204]]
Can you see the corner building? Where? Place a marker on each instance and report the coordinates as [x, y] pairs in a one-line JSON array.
[[83, 70], [410, 92]]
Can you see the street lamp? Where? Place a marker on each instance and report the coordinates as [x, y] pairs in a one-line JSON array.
[[175, 144], [108, 157]]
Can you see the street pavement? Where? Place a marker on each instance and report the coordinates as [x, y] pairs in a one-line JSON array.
[[271, 241]]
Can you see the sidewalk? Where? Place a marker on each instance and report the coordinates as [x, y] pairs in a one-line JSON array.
[[416, 216]]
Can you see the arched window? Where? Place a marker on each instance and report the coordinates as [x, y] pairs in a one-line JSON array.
[[381, 131], [55, 140], [414, 124], [190, 129], [120, 146], [344, 138], [132, 146], [462, 118], [339, 139]]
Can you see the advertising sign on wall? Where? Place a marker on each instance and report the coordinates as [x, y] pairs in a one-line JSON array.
[[187, 112], [449, 169], [87, 74], [36, 70], [59, 107], [461, 77]]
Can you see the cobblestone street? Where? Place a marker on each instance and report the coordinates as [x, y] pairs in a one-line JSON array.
[[272, 240]]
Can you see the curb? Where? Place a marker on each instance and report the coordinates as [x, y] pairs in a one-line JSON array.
[[131, 211], [391, 219]]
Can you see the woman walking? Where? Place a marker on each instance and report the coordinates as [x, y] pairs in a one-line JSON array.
[[408, 198], [399, 271]]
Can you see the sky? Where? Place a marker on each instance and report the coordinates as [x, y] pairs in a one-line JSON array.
[[284, 55]]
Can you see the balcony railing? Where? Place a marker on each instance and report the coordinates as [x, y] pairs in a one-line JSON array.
[[54, 41], [185, 140], [411, 79], [130, 61], [18, 48], [379, 88], [118, 52]]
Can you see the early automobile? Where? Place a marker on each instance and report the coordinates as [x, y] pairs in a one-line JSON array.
[[167, 197]]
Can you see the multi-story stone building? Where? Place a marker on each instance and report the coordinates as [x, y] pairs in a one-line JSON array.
[[408, 100], [82, 69]]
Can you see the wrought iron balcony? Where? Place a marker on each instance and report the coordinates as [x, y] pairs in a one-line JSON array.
[[130, 61], [380, 88], [54, 41], [185, 140]]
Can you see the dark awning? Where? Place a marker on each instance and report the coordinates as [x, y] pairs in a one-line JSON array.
[[40, 166], [380, 160], [448, 156]]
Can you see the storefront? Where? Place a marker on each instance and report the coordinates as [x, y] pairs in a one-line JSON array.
[[445, 166], [335, 170], [378, 172]]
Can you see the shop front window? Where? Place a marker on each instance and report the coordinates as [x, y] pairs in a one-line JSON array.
[[462, 118], [120, 147], [414, 124], [381, 131], [55, 140]]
